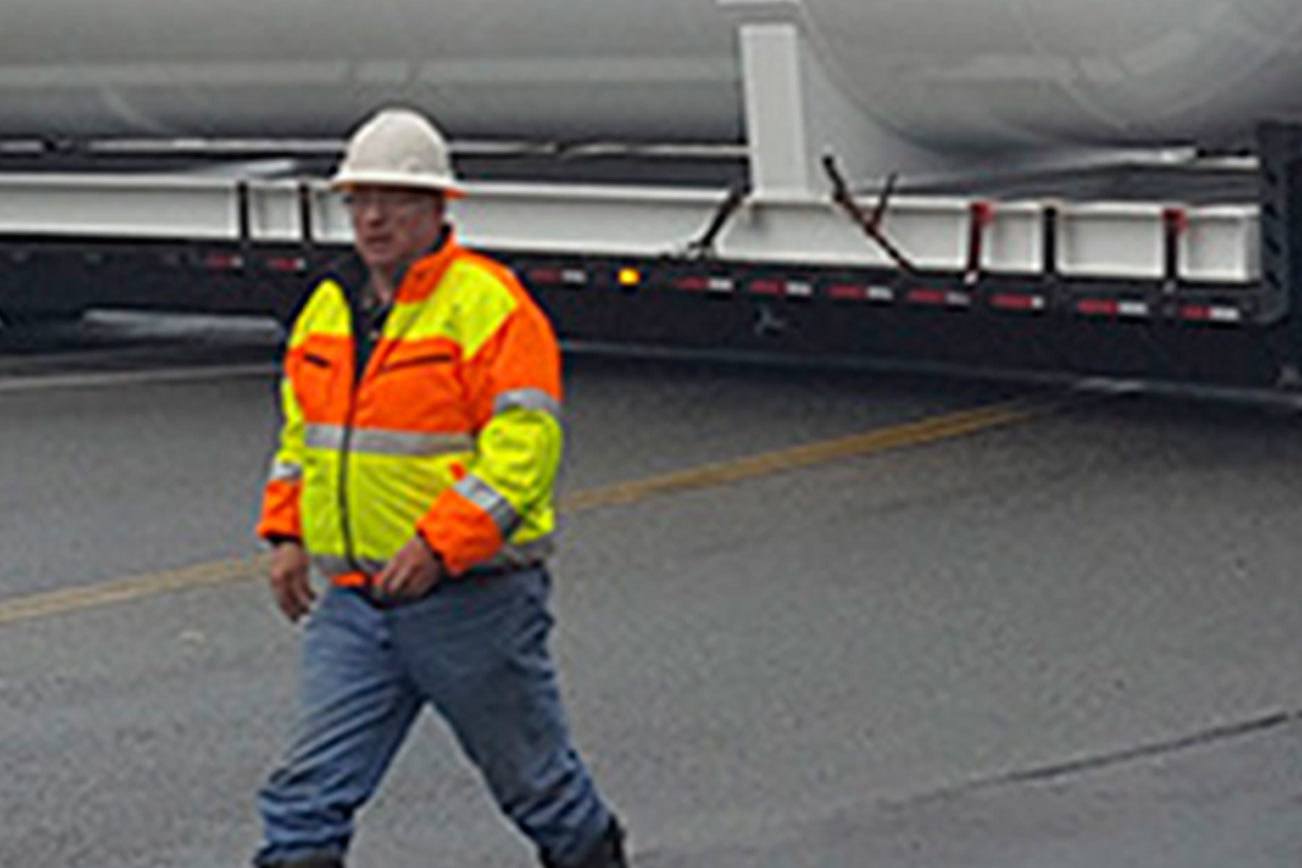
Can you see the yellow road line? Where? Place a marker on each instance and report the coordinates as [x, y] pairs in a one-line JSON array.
[[856, 446], [121, 590], [232, 571]]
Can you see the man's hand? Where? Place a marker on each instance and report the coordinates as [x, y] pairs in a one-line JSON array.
[[289, 581], [412, 572]]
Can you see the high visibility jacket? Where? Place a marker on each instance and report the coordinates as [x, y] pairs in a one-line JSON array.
[[452, 430]]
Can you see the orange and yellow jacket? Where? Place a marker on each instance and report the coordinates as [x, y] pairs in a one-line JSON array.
[[452, 430]]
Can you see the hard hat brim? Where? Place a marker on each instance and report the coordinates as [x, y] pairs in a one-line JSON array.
[[447, 186]]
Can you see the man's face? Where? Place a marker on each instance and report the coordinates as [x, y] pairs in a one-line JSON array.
[[392, 226]]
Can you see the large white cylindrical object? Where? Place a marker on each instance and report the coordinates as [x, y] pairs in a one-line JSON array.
[[955, 74]]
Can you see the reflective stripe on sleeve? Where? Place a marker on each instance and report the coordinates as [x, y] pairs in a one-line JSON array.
[[285, 471], [527, 399], [378, 442], [484, 496]]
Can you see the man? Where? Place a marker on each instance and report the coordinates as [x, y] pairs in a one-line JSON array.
[[421, 440]]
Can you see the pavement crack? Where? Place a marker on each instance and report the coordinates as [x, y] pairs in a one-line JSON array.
[[1098, 762]]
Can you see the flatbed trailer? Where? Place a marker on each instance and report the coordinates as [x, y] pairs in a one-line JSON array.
[[791, 243], [1121, 287]]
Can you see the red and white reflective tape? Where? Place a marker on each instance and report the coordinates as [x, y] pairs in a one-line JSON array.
[[557, 276], [860, 292], [782, 288], [223, 262], [938, 298], [1017, 301], [287, 264], [704, 283], [1112, 307], [1220, 313]]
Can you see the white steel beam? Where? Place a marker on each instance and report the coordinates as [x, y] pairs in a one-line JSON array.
[[1120, 239]]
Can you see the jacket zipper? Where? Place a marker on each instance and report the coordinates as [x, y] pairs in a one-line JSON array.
[[345, 518], [345, 451]]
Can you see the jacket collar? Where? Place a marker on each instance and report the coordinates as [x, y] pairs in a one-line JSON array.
[[352, 274], [426, 268]]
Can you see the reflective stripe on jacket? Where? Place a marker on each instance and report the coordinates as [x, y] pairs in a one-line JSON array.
[[453, 429]]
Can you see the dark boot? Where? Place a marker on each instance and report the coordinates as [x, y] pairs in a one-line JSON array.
[[608, 853], [310, 862]]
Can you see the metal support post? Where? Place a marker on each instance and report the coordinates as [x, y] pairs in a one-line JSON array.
[[798, 106], [1280, 153]]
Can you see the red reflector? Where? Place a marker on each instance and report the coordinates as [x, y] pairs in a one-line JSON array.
[[287, 263], [543, 275], [1196, 312], [926, 296], [223, 261], [1017, 301], [847, 292], [1097, 307]]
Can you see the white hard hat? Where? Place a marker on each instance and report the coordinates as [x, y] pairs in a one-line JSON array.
[[398, 148]]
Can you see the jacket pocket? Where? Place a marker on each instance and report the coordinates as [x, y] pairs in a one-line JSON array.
[[416, 361], [317, 361]]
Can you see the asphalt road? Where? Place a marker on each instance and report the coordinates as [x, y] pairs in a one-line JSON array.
[[1070, 639]]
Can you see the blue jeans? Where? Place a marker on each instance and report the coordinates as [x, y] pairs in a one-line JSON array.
[[476, 650]]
